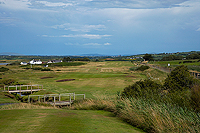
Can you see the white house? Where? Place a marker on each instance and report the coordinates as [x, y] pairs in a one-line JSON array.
[[23, 63], [35, 62]]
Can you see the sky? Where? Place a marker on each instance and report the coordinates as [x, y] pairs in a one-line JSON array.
[[108, 27]]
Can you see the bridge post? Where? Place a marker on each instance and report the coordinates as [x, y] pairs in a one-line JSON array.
[[38, 98], [84, 96], [20, 90], [74, 95], [59, 96], [8, 88], [70, 100], [31, 89]]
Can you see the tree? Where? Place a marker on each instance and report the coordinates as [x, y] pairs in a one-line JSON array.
[[148, 57], [67, 59], [179, 79]]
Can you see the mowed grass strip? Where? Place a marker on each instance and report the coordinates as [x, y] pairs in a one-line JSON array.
[[60, 120]]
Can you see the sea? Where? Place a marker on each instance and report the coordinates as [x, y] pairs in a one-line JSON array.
[[4, 63]]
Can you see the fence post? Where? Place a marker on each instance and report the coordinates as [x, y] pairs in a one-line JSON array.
[[84, 96], [16, 87], [74, 95], [38, 98]]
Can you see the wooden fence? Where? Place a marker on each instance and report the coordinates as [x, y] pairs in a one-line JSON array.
[[22, 88], [72, 97]]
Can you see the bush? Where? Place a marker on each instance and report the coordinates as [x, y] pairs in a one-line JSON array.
[[142, 68], [10, 82], [132, 68], [37, 68], [46, 69], [3, 69], [145, 89], [179, 79]]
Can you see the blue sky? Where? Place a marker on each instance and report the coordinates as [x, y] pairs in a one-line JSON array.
[[111, 27]]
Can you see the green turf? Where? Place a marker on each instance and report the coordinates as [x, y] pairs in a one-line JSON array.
[[94, 78], [57, 120]]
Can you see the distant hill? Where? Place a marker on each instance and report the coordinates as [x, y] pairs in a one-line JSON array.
[[92, 55], [10, 53]]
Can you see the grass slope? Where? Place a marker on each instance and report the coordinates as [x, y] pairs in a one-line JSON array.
[[57, 120]]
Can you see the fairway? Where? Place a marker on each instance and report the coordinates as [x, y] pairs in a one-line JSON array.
[[59, 120], [93, 78]]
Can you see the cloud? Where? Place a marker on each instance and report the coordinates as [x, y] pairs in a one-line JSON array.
[[88, 36], [198, 29], [6, 20], [51, 4], [93, 44], [107, 44], [77, 27], [75, 44], [16, 4], [97, 44]]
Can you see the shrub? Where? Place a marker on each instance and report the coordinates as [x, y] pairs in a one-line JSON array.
[[142, 68], [132, 68], [179, 79], [145, 89], [37, 68], [10, 82], [3, 69], [46, 69]]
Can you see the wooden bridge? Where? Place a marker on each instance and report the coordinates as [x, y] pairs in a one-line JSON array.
[[22, 88], [68, 101]]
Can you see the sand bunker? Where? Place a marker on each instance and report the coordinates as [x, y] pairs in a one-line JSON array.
[[45, 77], [63, 80]]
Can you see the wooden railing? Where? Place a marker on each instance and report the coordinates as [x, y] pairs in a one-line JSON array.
[[72, 97], [22, 88]]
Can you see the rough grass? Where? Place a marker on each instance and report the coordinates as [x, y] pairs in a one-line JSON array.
[[147, 115]]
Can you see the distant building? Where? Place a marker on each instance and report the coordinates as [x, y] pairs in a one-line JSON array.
[[23, 63], [33, 62], [54, 61], [57, 61]]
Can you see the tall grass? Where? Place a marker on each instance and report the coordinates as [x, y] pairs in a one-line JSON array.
[[25, 106], [145, 114]]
